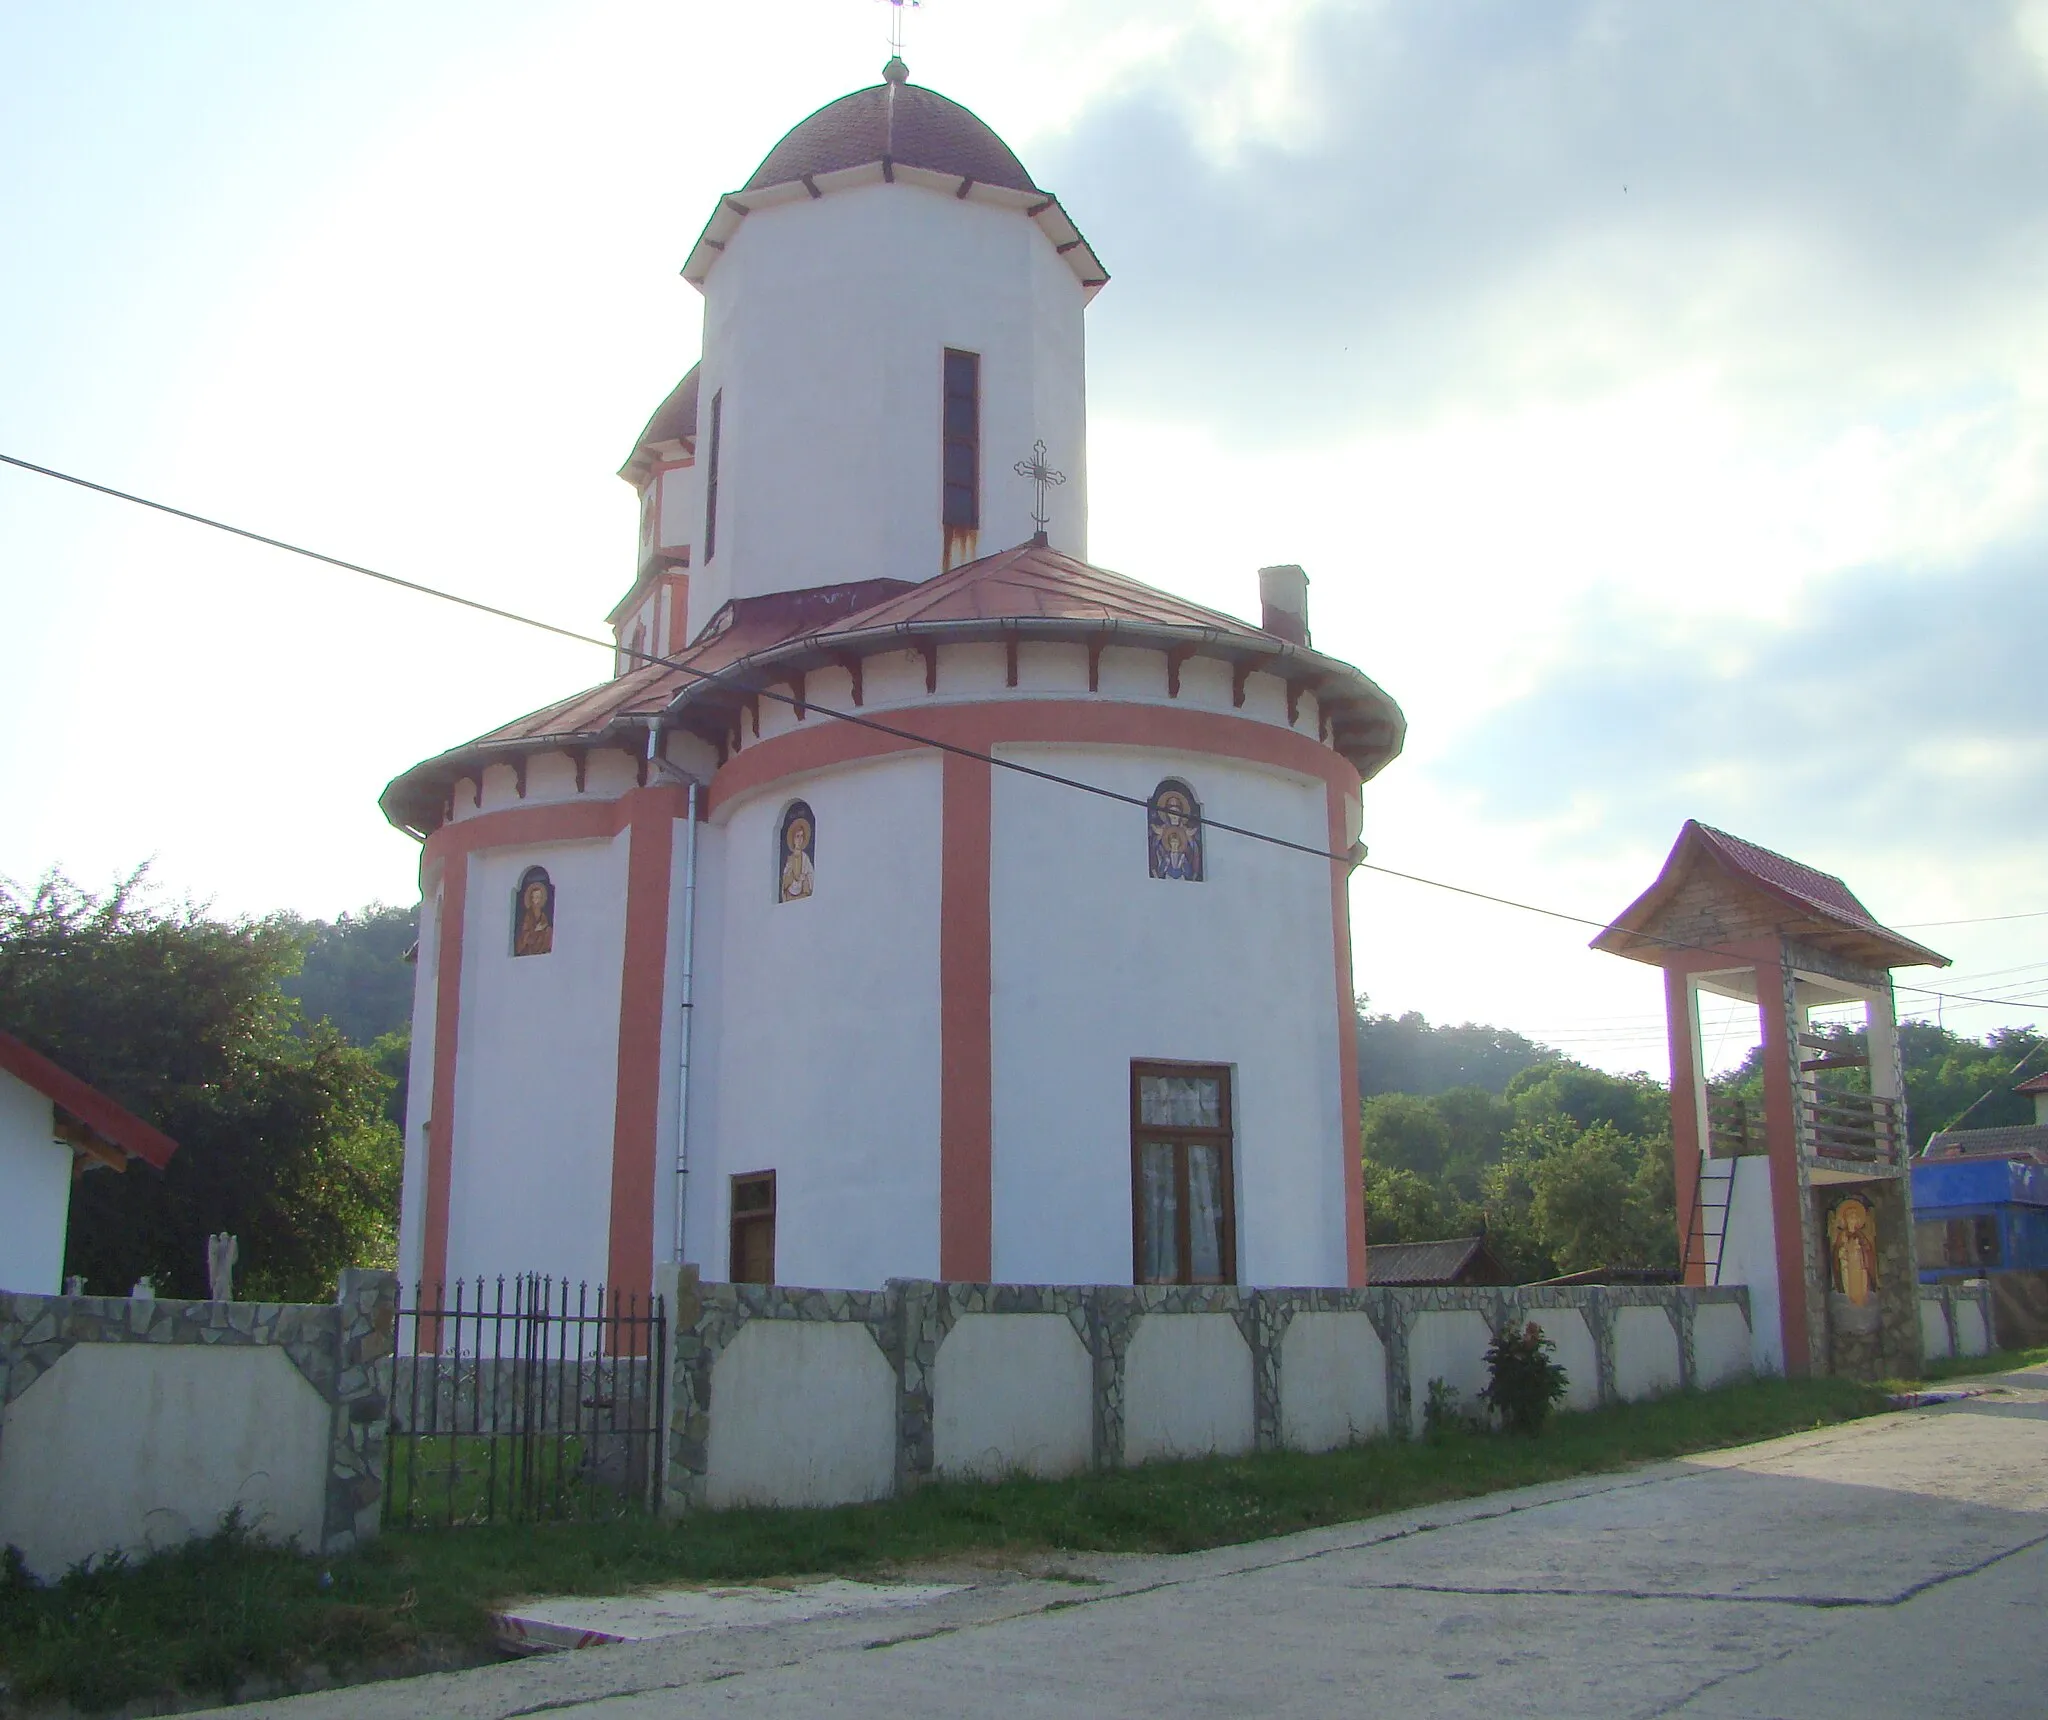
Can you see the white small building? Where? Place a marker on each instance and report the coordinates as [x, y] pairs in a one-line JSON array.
[[53, 1129], [793, 950]]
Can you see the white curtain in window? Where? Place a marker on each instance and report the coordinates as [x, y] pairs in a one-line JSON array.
[[1159, 1252], [1180, 1101], [1205, 1213]]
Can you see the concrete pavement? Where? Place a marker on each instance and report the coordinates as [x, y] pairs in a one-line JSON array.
[[1891, 1567]]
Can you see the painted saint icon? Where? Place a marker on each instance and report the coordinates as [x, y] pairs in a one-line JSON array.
[[533, 914], [1175, 837], [799, 844], [1852, 1240]]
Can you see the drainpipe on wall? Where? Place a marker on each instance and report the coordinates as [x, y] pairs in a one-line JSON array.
[[687, 982]]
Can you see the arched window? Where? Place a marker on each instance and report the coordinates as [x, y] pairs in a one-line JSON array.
[[1174, 832], [796, 852], [533, 913]]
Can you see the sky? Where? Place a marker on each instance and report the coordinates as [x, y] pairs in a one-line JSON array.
[[1656, 394]]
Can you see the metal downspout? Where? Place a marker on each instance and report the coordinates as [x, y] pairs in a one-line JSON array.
[[687, 990]]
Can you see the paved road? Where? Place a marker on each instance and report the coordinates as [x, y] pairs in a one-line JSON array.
[[1893, 1567]]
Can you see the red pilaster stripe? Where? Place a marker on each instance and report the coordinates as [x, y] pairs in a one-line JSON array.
[[1347, 1049], [441, 1116], [635, 1152], [966, 1072]]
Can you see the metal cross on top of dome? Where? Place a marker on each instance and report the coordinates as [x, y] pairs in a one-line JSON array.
[[896, 72], [1042, 475]]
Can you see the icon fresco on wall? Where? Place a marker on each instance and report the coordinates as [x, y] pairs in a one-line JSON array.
[[796, 852], [1175, 836], [1852, 1242], [533, 914]]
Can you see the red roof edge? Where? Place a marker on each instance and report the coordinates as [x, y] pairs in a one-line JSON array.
[[87, 1103]]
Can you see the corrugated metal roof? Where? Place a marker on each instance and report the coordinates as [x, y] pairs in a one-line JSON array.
[[2028, 1138]]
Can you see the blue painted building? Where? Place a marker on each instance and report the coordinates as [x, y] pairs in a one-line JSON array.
[[1980, 1215]]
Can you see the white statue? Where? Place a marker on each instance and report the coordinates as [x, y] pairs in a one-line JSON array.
[[221, 1252]]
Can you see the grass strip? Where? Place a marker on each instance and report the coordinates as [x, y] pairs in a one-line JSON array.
[[1996, 1362], [203, 1618]]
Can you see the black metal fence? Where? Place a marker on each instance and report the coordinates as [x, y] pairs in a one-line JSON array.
[[524, 1401]]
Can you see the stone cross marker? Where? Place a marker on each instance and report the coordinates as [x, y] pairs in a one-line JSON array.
[[221, 1252]]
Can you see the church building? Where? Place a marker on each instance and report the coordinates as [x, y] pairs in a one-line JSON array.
[[792, 950]]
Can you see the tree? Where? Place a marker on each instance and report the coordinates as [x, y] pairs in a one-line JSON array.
[[1404, 1132], [355, 973], [1401, 1206], [183, 1018], [1405, 1054]]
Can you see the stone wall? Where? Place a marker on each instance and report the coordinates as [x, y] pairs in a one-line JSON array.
[[926, 1380], [127, 1422]]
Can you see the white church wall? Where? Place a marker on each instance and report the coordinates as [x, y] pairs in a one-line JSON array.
[[537, 1078], [1012, 1392], [826, 1036], [35, 1190], [804, 1414], [1333, 1381], [1187, 1388], [1096, 964], [419, 1085], [825, 315], [1646, 1361]]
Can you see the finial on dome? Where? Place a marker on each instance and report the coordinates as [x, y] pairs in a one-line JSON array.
[[896, 72]]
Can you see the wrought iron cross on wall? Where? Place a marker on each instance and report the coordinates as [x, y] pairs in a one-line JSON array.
[[1045, 478]]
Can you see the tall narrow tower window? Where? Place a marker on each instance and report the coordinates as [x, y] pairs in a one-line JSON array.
[[711, 478], [962, 506]]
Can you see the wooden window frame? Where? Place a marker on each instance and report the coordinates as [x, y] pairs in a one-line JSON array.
[[1143, 1133], [948, 441], [711, 475], [735, 1218]]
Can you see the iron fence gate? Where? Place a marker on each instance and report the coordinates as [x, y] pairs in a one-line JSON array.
[[519, 1402]]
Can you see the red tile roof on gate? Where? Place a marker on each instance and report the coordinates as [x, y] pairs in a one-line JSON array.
[[2034, 1084], [1821, 904], [87, 1104]]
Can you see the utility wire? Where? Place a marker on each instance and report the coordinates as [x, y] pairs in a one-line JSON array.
[[648, 658], [1988, 1092]]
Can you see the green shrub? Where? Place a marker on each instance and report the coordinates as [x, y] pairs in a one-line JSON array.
[[1523, 1383]]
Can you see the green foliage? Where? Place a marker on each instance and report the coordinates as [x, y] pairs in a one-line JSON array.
[[1523, 1384], [1404, 1206], [1405, 1132], [1404, 1054], [355, 973], [183, 1018]]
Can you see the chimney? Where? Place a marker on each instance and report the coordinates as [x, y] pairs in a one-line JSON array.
[[1283, 602]]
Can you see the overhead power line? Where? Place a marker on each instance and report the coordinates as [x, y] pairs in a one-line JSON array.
[[875, 725]]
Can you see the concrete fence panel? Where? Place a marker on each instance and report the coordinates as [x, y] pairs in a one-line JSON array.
[[1973, 1326], [1934, 1338], [171, 1441], [1187, 1388], [1646, 1354], [1447, 1344], [1577, 1354], [1333, 1381], [803, 1413], [1720, 1342], [1013, 1392], [127, 1424]]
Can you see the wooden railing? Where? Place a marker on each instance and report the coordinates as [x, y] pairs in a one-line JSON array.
[[1852, 1129], [1735, 1127]]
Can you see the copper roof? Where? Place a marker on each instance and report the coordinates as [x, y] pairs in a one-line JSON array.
[[1031, 592], [1799, 900], [86, 1104], [901, 123]]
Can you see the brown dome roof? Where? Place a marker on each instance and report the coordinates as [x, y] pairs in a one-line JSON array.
[[898, 122]]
